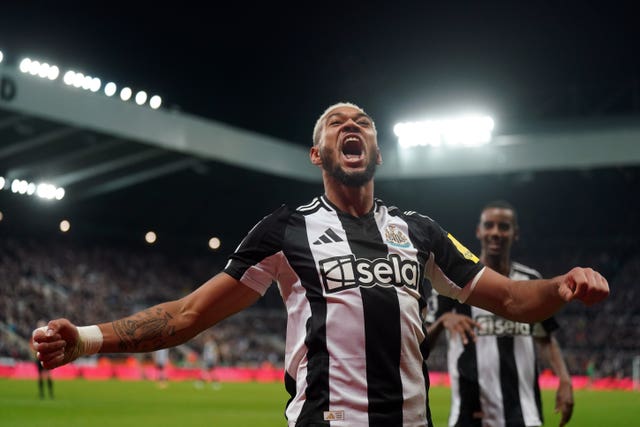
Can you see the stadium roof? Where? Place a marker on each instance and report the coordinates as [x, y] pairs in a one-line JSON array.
[[236, 146]]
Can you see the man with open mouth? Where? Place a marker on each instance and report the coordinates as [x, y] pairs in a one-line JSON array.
[[349, 269]]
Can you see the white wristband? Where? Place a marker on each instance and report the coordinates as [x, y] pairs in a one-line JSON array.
[[90, 339]]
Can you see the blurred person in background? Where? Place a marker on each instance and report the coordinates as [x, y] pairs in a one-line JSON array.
[[44, 375], [210, 359], [161, 360], [491, 360]]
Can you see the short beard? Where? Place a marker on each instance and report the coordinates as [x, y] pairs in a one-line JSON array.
[[355, 179]]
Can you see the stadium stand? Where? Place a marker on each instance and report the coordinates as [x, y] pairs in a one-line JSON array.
[[93, 283]]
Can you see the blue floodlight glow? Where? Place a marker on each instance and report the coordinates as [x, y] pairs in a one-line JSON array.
[[465, 131]]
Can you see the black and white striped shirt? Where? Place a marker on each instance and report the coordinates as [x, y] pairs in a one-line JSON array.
[[494, 381], [352, 286]]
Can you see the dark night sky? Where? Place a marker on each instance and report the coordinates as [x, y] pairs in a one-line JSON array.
[[273, 67]]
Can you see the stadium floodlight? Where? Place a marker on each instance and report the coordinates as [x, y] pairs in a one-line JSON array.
[[65, 225], [31, 188], [37, 68], [466, 131], [1, 216], [43, 71], [68, 77], [125, 93], [34, 68], [110, 89], [24, 65], [59, 193], [53, 72], [1, 56], [95, 84], [46, 191], [155, 102], [214, 243], [42, 190], [87, 82], [141, 97], [150, 237], [77, 80], [2, 182]]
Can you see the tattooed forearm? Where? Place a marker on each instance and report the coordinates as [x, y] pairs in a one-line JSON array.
[[145, 331]]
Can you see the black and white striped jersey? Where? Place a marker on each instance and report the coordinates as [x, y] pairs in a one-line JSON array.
[[352, 286], [494, 381]]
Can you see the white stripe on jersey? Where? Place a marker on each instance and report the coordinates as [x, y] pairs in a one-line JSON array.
[[487, 358], [345, 328]]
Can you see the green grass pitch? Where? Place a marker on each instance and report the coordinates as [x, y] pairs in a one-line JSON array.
[[181, 404]]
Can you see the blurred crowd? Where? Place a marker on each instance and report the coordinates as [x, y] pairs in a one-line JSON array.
[[95, 283]]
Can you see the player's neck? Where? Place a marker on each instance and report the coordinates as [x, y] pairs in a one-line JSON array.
[[356, 201], [499, 263]]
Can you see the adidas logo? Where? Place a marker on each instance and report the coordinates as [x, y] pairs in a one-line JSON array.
[[329, 236]]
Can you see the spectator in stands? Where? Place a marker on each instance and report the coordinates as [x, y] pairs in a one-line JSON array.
[[492, 361]]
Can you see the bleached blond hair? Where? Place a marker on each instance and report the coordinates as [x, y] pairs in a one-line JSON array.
[[317, 129]]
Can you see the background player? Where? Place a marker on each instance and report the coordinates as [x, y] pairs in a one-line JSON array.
[[492, 361], [44, 375]]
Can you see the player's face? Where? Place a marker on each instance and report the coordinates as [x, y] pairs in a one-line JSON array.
[[348, 149], [496, 231]]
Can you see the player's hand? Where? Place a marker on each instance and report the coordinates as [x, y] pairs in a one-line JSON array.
[[56, 344], [459, 324], [584, 284], [564, 402]]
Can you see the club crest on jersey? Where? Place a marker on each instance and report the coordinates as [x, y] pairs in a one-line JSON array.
[[395, 237], [344, 272]]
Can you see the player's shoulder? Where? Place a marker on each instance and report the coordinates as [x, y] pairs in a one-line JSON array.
[[405, 214], [523, 270], [316, 204]]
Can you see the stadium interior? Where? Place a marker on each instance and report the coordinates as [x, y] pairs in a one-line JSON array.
[[130, 169]]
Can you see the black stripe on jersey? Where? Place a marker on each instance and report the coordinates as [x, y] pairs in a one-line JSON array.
[[381, 325], [468, 381], [509, 383], [301, 259], [536, 389], [264, 240]]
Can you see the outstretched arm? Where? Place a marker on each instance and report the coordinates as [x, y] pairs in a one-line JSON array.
[[164, 325], [539, 299]]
